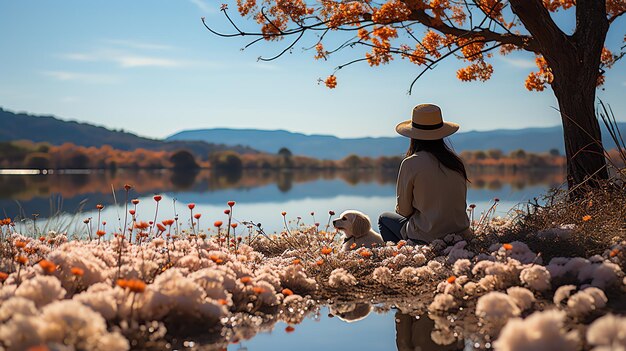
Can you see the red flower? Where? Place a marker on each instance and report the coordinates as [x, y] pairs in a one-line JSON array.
[[283, 213], [197, 216], [132, 212], [234, 225], [158, 198], [191, 206], [99, 206], [127, 187], [218, 223], [231, 203], [332, 213], [135, 201], [226, 211]]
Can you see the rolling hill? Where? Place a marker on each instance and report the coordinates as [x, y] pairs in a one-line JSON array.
[[21, 126], [331, 147]]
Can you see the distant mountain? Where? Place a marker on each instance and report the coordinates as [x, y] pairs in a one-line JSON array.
[[331, 147], [20, 126]]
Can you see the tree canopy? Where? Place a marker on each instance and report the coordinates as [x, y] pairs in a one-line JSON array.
[[425, 32]]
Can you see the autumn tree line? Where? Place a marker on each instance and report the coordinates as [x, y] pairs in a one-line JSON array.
[[30, 155]]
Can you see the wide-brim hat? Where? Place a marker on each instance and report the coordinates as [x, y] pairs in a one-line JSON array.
[[426, 124]]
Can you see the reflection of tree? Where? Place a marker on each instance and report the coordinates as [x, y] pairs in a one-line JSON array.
[[184, 179], [68, 186], [285, 181], [416, 333]]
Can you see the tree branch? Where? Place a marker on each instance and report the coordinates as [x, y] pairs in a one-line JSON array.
[[522, 41]]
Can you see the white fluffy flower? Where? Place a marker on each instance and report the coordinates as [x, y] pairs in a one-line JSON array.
[[462, 267], [601, 274], [580, 304], [382, 275], [541, 331], [294, 278], [341, 278], [496, 307], [536, 277], [16, 306], [41, 289], [608, 333], [563, 293], [442, 302], [522, 297]]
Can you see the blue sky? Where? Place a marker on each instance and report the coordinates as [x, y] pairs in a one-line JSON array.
[[150, 67]]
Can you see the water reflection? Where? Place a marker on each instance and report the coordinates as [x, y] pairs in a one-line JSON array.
[[97, 185], [422, 333], [261, 196]]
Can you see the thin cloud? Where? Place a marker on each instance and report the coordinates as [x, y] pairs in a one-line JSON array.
[[92, 78], [137, 44], [521, 63], [202, 6], [126, 60]]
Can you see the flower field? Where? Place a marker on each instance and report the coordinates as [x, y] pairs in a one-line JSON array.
[[168, 279]]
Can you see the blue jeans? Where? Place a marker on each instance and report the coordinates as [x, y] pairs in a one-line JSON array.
[[390, 224]]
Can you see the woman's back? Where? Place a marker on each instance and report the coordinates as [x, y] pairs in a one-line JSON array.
[[432, 196]]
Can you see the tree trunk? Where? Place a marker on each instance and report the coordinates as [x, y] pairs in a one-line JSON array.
[[575, 64], [576, 92]]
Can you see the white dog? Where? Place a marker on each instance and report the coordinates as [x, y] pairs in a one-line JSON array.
[[358, 230]]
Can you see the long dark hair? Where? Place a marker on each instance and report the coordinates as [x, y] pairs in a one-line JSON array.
[[442, 152]]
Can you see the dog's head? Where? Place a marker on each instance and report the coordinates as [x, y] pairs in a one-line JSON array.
[[353, 223]]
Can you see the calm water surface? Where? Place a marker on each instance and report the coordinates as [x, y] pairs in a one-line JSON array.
[[260, 197]]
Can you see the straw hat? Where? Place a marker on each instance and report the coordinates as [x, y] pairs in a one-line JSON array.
[[426, 124]]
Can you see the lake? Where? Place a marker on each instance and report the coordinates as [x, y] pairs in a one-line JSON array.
[[260, 197]]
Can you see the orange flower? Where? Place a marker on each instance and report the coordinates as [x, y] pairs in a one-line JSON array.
[[234, 225], [21, 259], [353, 246], [99, 207], [319, 262], [42, 238], [136, 285], [401, 243], [586, 218], [296, 261], [38, 348], [283, 213], [331, 82], [287, 292], [507, 246], [218, 223], [20, 244], [326, 250], [100, 233], [47, 266], [245, 279], [3, 276], [79, 272], [222, 302], [142, 225], [258, 290], [289, 329], [614, 252], [366, 253], [122, 283], [161, 227], [451, 279]]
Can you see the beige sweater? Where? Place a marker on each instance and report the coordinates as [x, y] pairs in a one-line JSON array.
[[432, 196]]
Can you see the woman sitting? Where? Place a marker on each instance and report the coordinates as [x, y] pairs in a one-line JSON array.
[[432, 183]]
